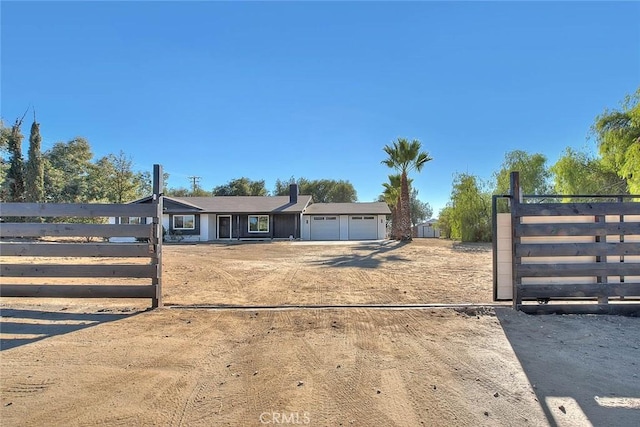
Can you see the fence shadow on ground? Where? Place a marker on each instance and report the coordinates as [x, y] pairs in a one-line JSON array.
[[19, 327], [366, 255], [581, 374]]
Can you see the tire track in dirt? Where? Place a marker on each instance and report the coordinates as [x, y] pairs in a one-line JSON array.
[[354, 385], [449, 377], [202, 397], [151, 378], [258, 376]]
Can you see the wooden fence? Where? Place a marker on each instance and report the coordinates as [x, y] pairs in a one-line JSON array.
[[31, 236], [574, 251]]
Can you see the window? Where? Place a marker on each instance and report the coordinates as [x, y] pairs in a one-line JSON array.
[[369, 217], [184, 222], [258, 223], [331, 218], [356, 217], [318, 218], [132, 220]]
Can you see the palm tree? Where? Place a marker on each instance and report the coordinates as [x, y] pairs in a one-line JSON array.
[[405, 156], [391, 195]]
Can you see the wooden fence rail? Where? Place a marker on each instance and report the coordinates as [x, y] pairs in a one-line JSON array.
[[23, 232], [568, 251]]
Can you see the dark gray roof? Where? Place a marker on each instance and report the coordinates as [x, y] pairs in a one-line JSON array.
[[241, 204], [364, 208]]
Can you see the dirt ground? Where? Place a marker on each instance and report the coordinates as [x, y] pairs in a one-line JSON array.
[[387, 272], [113, 362]]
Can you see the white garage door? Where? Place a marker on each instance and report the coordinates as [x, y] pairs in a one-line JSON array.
[[363, 228], [325, 228]]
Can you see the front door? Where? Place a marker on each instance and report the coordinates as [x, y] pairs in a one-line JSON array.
[[224, 227]]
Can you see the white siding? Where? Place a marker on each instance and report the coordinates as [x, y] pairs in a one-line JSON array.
[[382, 227], [305, 232], [344, 227], [213, 227]]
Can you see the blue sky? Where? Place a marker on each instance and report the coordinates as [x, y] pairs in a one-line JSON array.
[[270, 90]]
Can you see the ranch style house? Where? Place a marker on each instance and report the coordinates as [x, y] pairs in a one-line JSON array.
[[202, 219]]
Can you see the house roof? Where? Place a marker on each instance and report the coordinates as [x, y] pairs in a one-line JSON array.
[[238, 204], [364, 208]]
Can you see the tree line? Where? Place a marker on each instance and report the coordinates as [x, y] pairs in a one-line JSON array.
[[322, 190], [67, 173], [613, 170]]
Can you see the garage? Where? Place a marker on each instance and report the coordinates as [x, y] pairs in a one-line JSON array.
[[325, 227], [345, 221], [363, 227]]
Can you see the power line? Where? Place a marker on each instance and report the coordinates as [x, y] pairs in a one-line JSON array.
[[195, 180]]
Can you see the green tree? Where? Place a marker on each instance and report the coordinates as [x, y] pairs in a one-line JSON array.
[[405, 156], [15, 173], [467, 216], [67, 167], [112, 179], [420, 211], [5, 134], [534, 174], [321, 190], [445, 219], [578, 172], [241, 187], [282, 186], [178, 192], [617, 135], [34, 177]]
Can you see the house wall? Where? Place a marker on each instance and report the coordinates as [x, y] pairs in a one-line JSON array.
[[212, 227], [197, 235], [305, 228], [114, 220], [382, 227], [204, 227], [285, 225], [344, 227], [280, 226], [165, 222], [194, 235]]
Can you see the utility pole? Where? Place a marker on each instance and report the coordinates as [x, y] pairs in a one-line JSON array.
[[194, 182]]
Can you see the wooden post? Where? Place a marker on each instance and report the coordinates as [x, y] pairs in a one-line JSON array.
[[157, 234], [603, 280], [516, 199], [620, 200], [494, 243]]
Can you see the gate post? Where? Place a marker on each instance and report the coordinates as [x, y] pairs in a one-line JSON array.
[[157, 234], [516, 198]]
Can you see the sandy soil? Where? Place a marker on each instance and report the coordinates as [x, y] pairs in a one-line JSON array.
[[112, 362], [280, 273]]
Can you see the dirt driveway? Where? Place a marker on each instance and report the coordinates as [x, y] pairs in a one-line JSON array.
[[425, 271], [114, 363]]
